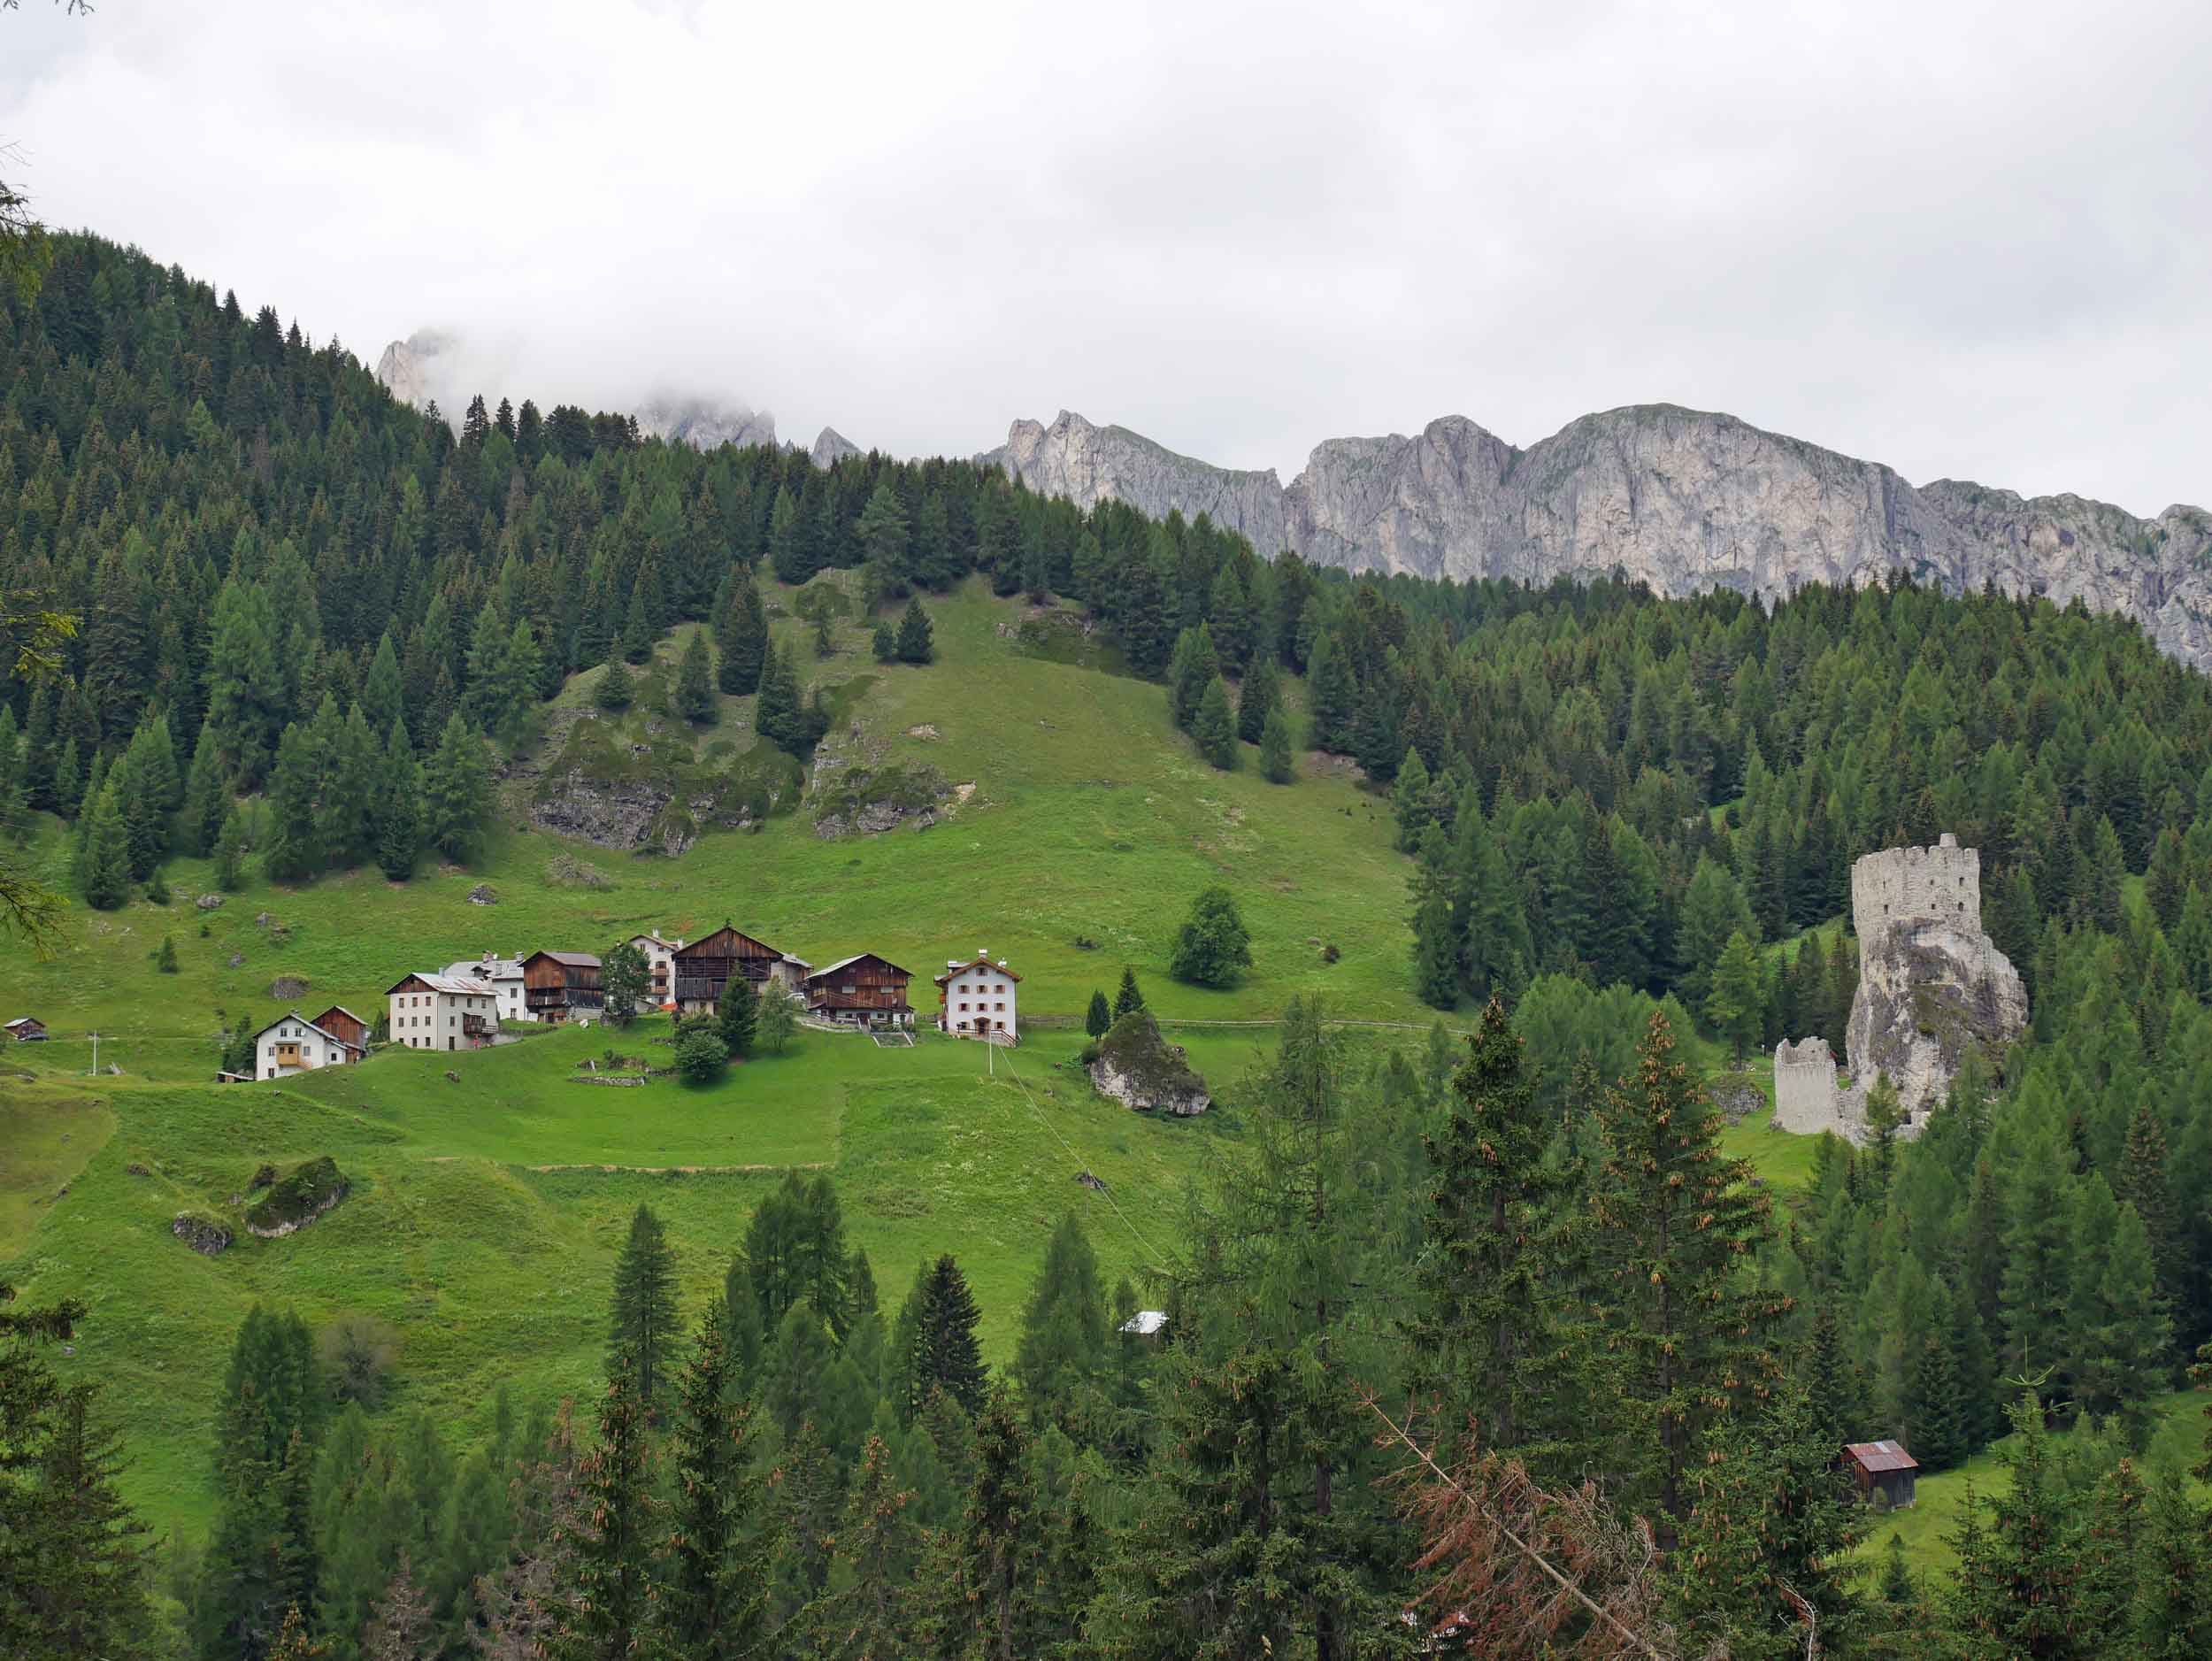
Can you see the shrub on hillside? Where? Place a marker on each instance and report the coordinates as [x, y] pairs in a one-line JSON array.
[[701, 1056], [356, 1353], [1212, 946]]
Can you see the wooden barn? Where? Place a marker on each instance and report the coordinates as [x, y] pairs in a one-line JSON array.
[[706, 966], [862, 990], [343, 1025], [1883, 1468], [559, 987], [26, 1029]]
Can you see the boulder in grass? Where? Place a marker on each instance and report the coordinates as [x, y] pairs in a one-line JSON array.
[[202, 1233], [1140, 1069], [297, 1199]]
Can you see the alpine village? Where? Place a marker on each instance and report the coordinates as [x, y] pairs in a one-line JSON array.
[[625, 1040]]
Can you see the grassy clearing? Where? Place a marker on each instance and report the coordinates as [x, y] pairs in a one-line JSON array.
[[2176, 1442]]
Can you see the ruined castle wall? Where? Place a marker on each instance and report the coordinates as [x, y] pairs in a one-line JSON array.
[[1805, 1086], [1917, 885]]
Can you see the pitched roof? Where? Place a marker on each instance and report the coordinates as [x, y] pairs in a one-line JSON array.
[[1875, 1457], [340, 1009], [26, 1020], [294, 1015], [981, 960], [844, 963], [485, 969], [572, 959], [455, 986]]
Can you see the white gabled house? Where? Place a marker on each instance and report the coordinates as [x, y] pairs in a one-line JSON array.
[[292, 1043], [439, 1012], [977, 998], [503, 974], [660, 965]]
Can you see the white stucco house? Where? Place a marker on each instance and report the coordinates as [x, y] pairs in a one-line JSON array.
[[292, 1043], [660, 963], [439, 1012], [977, 998], [503, 974]]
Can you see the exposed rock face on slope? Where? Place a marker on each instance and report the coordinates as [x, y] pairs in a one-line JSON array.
[[704, 424], [1680, 499], [1140, 1069], [407, 371]]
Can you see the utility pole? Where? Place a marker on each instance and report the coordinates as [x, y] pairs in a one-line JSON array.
[[96, 1055]]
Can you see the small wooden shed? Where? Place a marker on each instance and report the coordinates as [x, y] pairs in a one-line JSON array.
[[1882, 1467], [26, 1029]]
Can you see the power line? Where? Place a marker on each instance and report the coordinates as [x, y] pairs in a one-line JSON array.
[[1151, 1251]]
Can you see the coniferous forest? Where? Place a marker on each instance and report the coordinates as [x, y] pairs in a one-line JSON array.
[[1476, 1346]]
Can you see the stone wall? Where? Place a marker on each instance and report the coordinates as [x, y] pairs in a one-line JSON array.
[[1917, 885], [1805, 1086]]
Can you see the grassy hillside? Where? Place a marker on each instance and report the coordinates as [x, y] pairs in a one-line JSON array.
[[1089, 817]]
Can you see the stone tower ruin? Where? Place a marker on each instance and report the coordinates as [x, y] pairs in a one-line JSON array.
[[1932, 987]]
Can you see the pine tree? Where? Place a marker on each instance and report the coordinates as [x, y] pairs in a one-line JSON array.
[[880, 1547], [1675, 1223], [642, 1333], [1099, 1018], [993, 1613], [206, 795], [1196, 667], [1275, 761], [2172, 1617], [457, 791], [743, 637], [402, 1626], [884, 643], [915, 646], [694, 683], [637, 640], [295, 850], [166, 958], [2018, 1575], [398, 807], [107, 855], [611, 1614], [230, 853], [1332, 694], [2143, 1183], [1212, 727], [1128, 998], [1212, 946], [1436, 953], [736, 1015], [1498, 1254]]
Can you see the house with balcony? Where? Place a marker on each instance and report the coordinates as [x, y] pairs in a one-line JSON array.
[[441, 1011], [976, 998], [292, 1043], [501, 972], [862, 990], [562, 988], [660, 966]]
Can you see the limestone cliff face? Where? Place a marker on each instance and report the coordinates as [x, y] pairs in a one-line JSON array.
[[831, 445], [1930, 993], [704, 424], [1680, 499], [1089, 465]]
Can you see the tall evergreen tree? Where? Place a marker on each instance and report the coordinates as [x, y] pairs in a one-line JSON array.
[[1128, 997], [107, 854], [1275, 760], [742, 635], [1100, 1017], [1258, 697], [714, 1606], [456, 792], [945, 1354], [694, 683], [736, 1015], [1060, 1353], [642, 1328], [914, 637], [610, 1613], [1213, 729]]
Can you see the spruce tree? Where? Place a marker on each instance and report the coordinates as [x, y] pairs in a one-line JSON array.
[[1196, 667], [398, 807], [1496, 1271], [641, 1334], [1213, 730], [206, 795], [1128, 998], [295, 851], [1674, 1222], [735, 1016], [743, 638], [230, 853], [457, 790], [694, 683], [1258, 697], [1100, 1017], [884, 643], [617, 689], [637, 640], [914, 638], [1060, 1353], [610, 1614], [1275, 759], [107, 854], [713, 1607], [1212, 947], [946, 1355], [880, 1548], [1736, 1005], [166, 958]]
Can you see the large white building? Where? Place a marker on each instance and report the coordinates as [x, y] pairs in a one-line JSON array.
[[660, 963], [978, 999], [441, 1012], [504, 975], [292, 1043]]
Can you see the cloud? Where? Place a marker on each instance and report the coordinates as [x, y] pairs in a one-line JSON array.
[[1965, 238]]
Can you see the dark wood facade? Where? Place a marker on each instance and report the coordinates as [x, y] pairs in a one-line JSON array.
[[865, 990], [704, 968], [343, 1025], [560, 985], [1883, 1468]]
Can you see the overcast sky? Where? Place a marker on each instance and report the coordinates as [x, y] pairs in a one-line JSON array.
[[1963, 238]]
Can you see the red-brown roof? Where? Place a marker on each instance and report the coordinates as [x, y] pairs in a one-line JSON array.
[[1876, 1456], [952, 969]]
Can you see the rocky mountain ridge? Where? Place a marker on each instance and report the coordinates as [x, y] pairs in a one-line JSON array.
[[1683, 500]]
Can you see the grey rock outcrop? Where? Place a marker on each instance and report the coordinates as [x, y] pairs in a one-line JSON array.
[[1683, 500], [830, 445], [1933, 988], [704, 424], [407, 369], [1140, 1069]]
